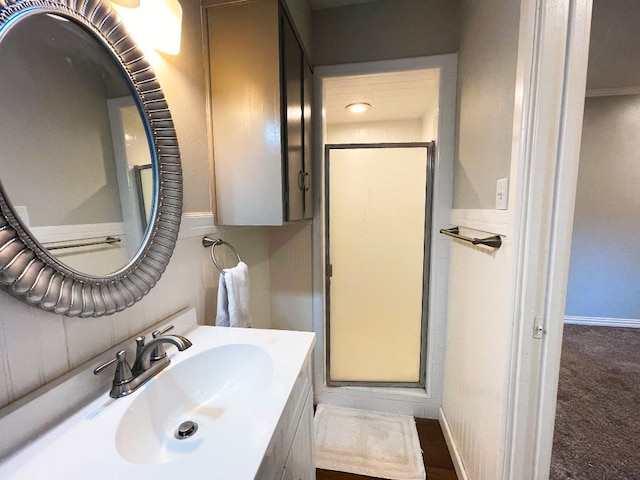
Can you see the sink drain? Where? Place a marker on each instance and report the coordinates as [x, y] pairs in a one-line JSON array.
[[186, 429]]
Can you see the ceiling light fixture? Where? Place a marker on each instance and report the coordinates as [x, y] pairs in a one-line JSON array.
[[358, 107]]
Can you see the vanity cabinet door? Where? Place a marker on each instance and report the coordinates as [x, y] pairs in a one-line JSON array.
[[300, 464]]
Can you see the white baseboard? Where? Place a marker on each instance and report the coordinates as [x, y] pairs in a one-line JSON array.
[[603, 322], [453, 449], [608, 92]]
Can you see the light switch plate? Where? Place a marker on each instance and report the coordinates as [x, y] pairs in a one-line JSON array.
[[502, 193]]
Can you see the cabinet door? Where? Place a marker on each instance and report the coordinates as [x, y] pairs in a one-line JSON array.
[[301, 463], [245, 92], [292, 108], [308, 140]]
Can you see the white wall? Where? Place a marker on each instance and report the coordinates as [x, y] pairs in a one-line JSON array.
[[375, 132], [479, 323], [291, 277], [602, 280]]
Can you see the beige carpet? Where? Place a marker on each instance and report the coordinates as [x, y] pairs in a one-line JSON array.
[[375, 444], [597, 431]]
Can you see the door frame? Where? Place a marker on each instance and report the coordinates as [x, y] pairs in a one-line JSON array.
[[428, 216], [551, 85], [410, 401]]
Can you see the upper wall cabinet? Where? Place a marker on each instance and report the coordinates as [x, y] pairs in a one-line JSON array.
[[261, 97]]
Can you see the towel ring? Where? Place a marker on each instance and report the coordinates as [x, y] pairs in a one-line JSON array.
[[213, 243]]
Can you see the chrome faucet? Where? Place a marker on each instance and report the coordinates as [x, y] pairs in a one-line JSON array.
[[150, 360], [148, 355]]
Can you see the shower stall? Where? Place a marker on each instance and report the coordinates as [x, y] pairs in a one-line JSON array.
[[378, 199], [379, 269]]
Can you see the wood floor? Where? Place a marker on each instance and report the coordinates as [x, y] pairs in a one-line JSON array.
[[437, 461]]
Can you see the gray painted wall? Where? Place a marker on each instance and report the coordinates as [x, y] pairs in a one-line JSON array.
[[603, 281], [614, 44], [384, 30], [300, 11], [604, 278], [486, 90]]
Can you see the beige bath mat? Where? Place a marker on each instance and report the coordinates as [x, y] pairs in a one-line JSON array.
[[368, 443]]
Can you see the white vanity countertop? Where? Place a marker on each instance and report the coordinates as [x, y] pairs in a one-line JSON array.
[[84, 445]]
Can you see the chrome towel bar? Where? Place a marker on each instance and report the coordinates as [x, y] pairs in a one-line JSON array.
[[106, 241], [493, 242], [213, 243]]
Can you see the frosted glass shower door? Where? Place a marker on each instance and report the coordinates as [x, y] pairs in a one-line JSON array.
[[378, 211]]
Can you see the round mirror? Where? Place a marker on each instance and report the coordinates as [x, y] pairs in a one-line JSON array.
[[90, 178], [71, 110]]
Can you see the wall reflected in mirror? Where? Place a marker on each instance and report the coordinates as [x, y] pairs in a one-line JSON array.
[[72, 137]]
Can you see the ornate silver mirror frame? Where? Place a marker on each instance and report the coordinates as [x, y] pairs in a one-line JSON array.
[[27, 270]]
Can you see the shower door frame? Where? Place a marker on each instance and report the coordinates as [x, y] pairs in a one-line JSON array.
[[426, 266]]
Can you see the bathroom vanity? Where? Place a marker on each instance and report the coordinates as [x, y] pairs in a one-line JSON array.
[[237, 405]]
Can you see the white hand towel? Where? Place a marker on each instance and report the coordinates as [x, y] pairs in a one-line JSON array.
[[233, 297]]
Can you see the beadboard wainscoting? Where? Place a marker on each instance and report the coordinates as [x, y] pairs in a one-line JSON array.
[[478, 342], [37, 347]]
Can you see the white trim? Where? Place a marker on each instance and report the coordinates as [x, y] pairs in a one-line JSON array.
[[193, 225], [603, 322], [612, 92], [83, 231], [456, 458], [196, 224], [489, 221], [552, 82]]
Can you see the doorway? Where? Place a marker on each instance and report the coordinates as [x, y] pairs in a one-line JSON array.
[[596, 433], [378, 224], [386, 122]]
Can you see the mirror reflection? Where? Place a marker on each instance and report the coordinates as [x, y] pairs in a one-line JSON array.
[[72, 137]]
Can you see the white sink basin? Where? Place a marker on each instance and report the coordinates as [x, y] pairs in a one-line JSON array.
[[234, 383], [210, 389]]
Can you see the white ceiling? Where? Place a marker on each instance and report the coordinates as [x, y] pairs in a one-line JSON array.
[[393, 96], [320, 4]]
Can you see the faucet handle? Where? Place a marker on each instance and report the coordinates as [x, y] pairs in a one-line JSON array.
[[139, 344], [123, 371], [104, 366], [158, 352], [157, 333]]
